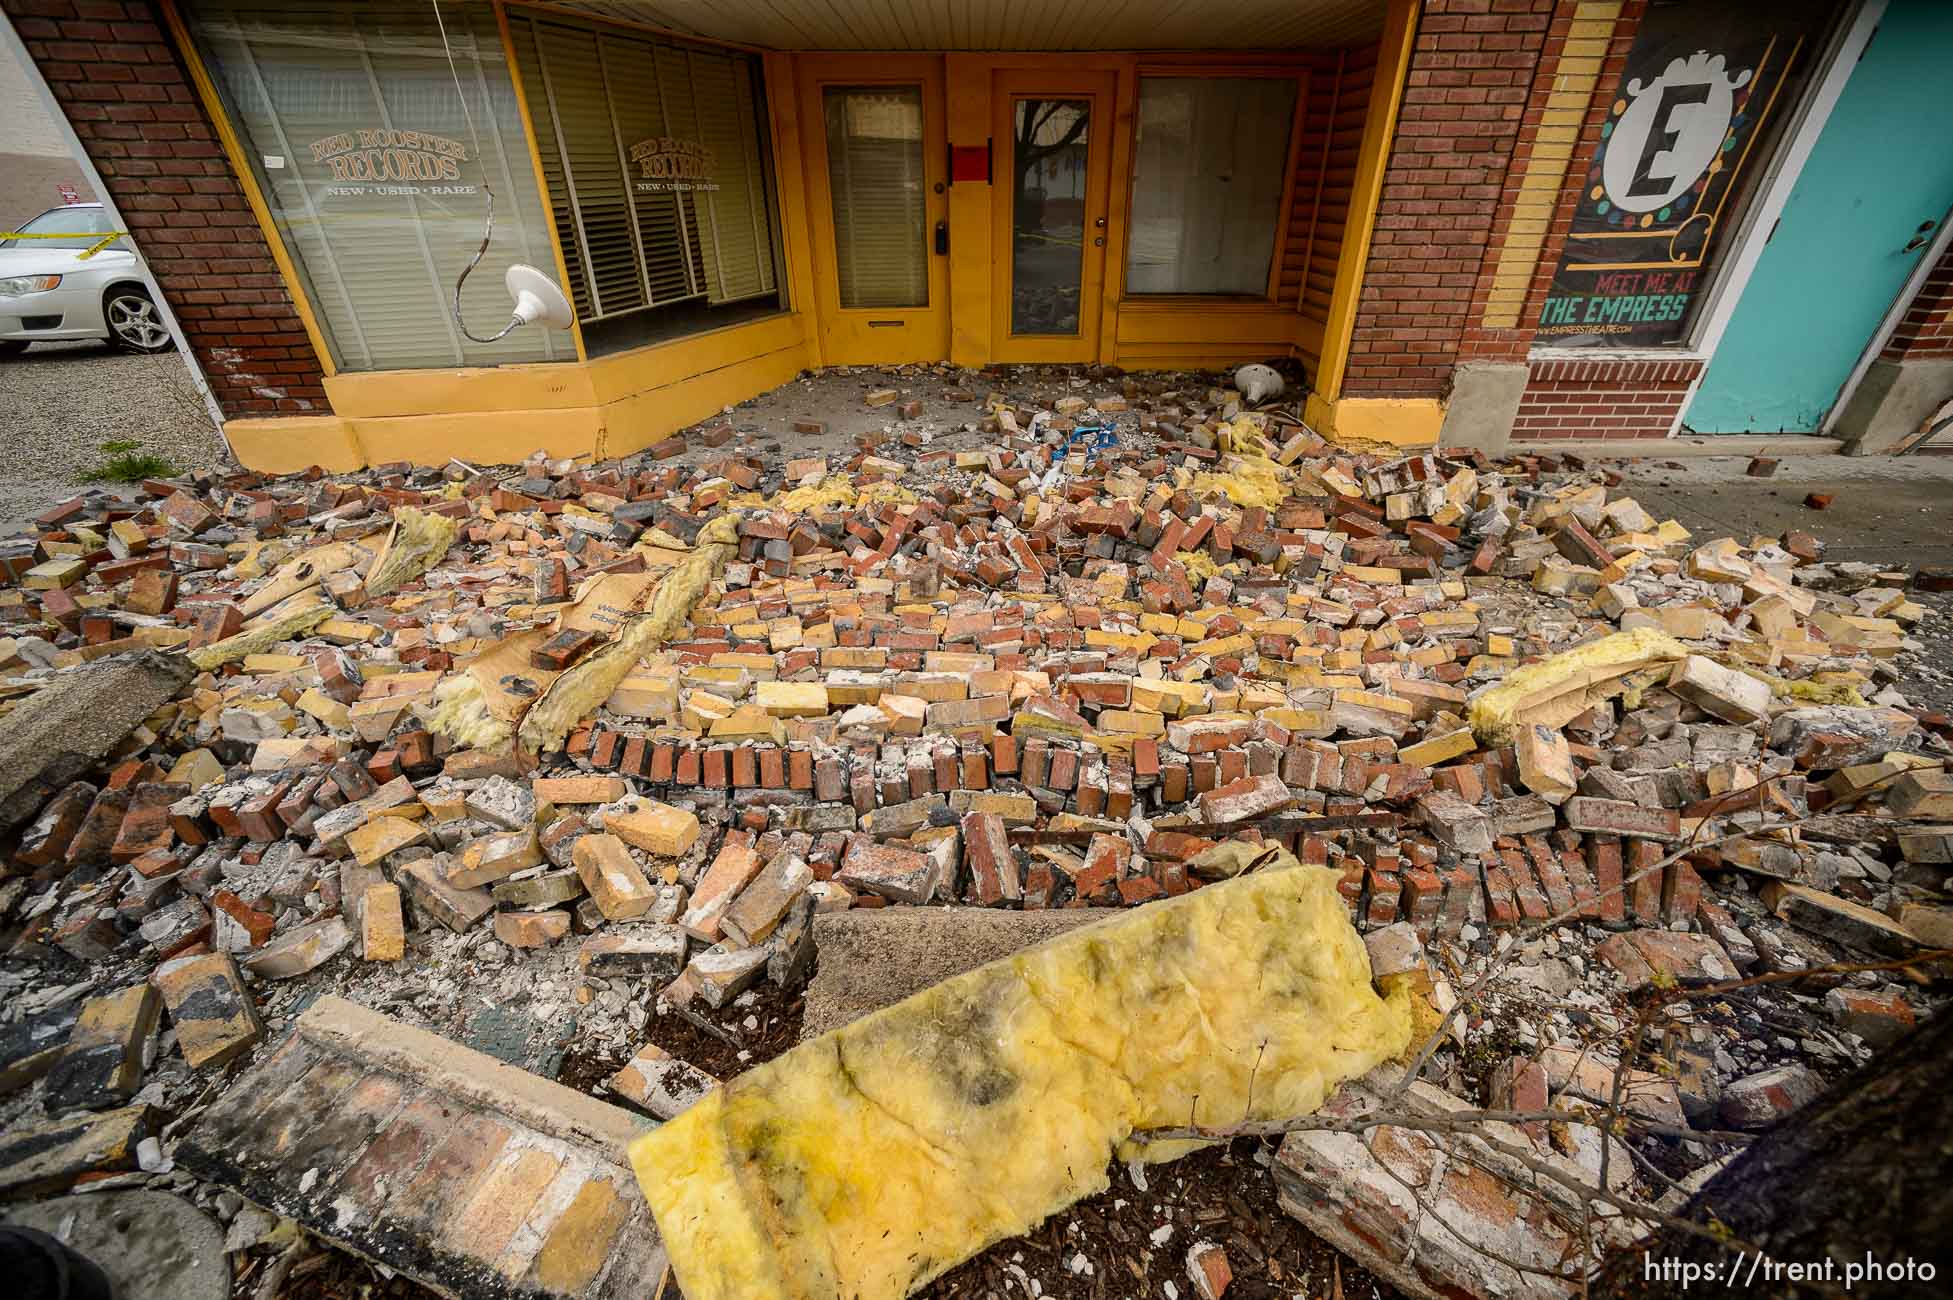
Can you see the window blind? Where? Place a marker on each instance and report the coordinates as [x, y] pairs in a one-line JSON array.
[[1207, 183], [360, 144], [652, 154], [874, 170]]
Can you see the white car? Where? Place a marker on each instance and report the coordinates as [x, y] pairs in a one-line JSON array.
[[48, 290]]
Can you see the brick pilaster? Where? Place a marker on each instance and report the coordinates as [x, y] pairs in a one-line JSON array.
[[1926, 330], [1465, 100]]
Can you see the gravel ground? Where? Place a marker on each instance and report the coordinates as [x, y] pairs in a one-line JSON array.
[[59, 402]]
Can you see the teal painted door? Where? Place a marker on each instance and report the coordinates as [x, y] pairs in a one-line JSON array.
[[1879, 178]]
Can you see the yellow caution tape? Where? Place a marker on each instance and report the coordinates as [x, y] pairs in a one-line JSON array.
[[84, 255]]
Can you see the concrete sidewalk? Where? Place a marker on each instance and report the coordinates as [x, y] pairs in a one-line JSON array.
[[1884, 510]]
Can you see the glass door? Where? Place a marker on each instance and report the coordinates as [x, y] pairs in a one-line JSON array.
[[1050, 197], [872, 127]]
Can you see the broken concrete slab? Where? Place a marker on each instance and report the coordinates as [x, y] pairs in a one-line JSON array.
[[469, 1175], [60, 733], [1358, 1196], [875, 958], [49, 1157], [148, 1243]]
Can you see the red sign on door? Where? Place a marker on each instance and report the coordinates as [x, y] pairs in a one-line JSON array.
[[68, 194]]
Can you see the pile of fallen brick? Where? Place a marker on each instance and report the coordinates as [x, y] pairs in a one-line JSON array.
[[1051, 673]]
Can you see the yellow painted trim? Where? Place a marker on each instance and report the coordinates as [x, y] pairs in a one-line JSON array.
[[381, 394], [1262, 323], [292, 443], [636, 421], [966, 104], [1118, 207], [536, 169], [1365, 421], [213, 105], [1291, 170], [1379, 127], [790, 182], [633, 24], [505, 434], [626, 374], [500, 414]]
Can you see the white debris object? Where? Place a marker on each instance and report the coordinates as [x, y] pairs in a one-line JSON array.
[[1258, 383]]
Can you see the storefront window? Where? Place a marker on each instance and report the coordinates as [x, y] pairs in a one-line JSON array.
[[1689, 133], [655, 159], [352, 120], [874, 169], [1209, 166]]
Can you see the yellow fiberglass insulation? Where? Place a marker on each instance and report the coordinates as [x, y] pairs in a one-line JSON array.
[[575, 694], [417, 543], [1560, 687], [292, 623], [876, 1157]]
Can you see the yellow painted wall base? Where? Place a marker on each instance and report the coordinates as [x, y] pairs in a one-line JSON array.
[[1409, 422], [285, 446], [609, 407]]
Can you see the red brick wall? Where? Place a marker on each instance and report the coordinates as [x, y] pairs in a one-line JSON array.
[[1603, 399], [1926, 330], [123, 86], [1465, 98]]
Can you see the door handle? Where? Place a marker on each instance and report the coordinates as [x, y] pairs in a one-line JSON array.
[[1920, 237], [942, 238]]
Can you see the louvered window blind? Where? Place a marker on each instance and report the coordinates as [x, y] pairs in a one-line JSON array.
[[874, 171], [652, 154], [352, 123]]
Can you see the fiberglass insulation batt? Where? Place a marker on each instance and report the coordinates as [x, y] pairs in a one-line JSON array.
[[868, 1161]]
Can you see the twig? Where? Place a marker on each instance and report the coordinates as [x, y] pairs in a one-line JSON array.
[[274, 1277], [1501, 961]]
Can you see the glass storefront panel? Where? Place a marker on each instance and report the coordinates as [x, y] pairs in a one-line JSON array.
[[661, 189], [355, 126], [874, 170], [1209, 164], [1049, 158]]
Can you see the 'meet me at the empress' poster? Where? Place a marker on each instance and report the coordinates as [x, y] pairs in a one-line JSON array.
[[1690, 128]]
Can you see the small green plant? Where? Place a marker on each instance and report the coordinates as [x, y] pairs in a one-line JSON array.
[[127, 465]]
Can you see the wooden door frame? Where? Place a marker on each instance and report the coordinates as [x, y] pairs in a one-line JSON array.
[[1102, 87], [864, 335]]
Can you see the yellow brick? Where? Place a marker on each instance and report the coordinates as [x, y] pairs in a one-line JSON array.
[[1438, 749], [655, 827], [502, 1200], [749, 722], [792, 699], [383, 933], [579, 1242], [1132, 722]]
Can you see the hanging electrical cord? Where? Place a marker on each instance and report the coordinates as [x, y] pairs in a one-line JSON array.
[[488, 231]]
